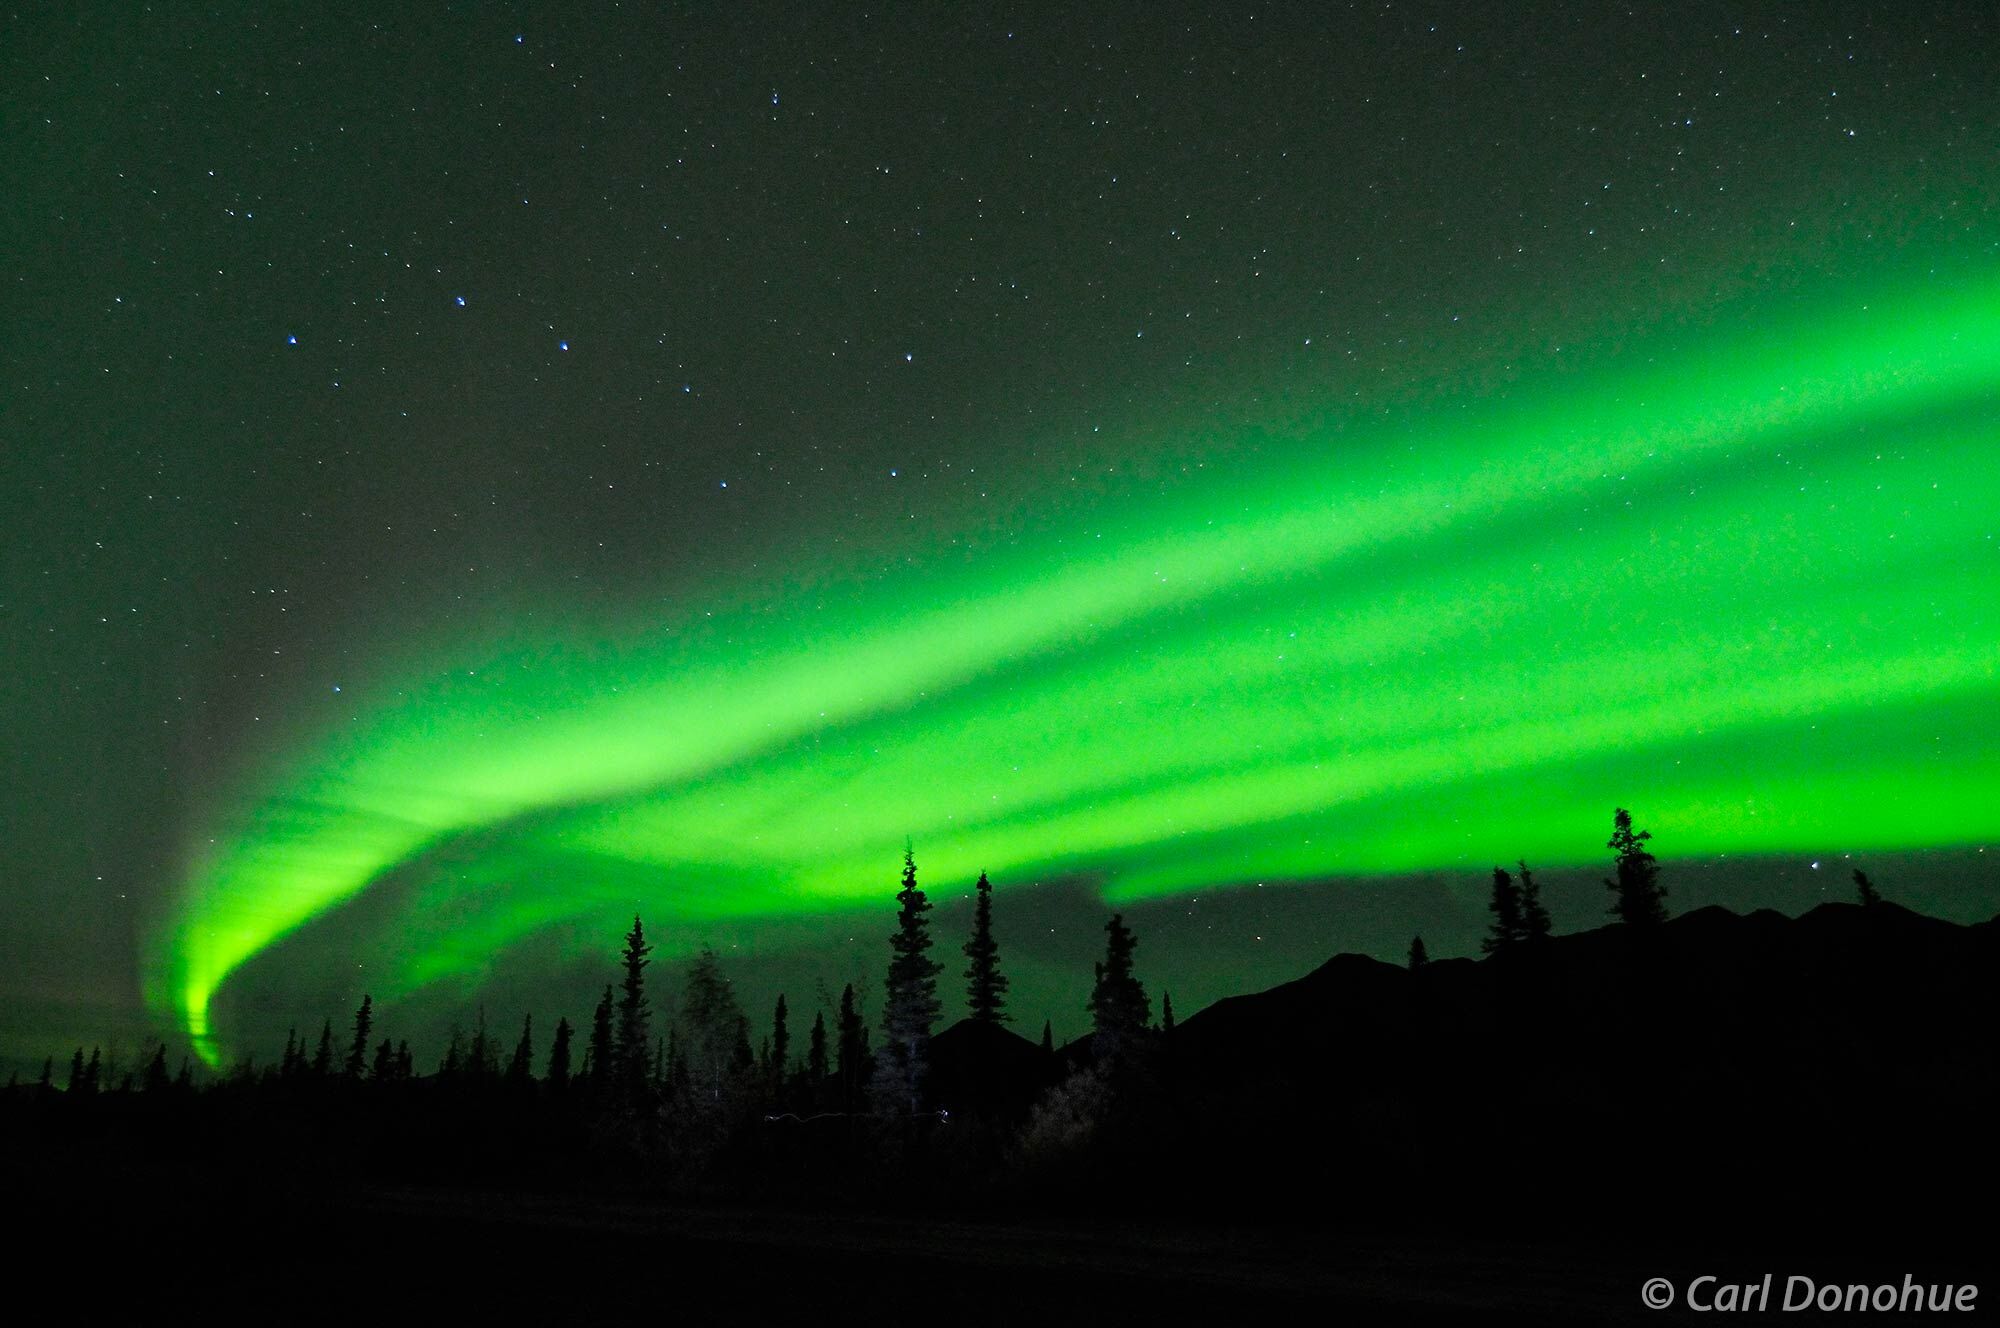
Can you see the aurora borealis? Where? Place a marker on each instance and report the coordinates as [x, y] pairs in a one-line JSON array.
[[1286, 692], [689, 541]]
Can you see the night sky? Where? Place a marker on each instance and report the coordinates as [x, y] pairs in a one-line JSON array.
[[467, 477]]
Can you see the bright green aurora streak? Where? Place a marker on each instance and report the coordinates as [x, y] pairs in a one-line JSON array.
[[1753, 589]]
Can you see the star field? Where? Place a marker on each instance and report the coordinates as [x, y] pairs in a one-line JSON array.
[[466, 472]]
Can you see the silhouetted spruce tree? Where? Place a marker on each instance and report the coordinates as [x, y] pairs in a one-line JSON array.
[[91, 1070], [816, 1059], [322, 1061], [293, 1063], [1048, 1038], [1638, 897], [781, 1046], [741, 1058], [48, 1074], [1167, 1013], [558, 1077], [851, 1051], [1505, 905], [1864, 889], [1419, 956], [404, 1068], [481, 1062], [985, 984], [384, 1069], [364, 1023], [1119, 1010], [597, 1055], [156, 1070], [909, 1000], [1534, 916], [521, 1069], [184, 1078], [635, 1042]]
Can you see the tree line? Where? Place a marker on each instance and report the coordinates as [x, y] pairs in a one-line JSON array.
[[1638, 898], [705, 1060]]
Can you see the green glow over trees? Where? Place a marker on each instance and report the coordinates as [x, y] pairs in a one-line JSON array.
[[1752, 587]]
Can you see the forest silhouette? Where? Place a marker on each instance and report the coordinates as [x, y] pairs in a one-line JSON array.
[[1711, 1071]]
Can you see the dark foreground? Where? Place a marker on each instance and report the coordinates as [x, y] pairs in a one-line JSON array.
[[396, 1255], [1526, 1139]]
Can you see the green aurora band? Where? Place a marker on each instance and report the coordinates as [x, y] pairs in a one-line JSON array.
[[1752, 588]]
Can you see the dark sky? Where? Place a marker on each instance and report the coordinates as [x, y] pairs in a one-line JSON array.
[[346, 356]]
